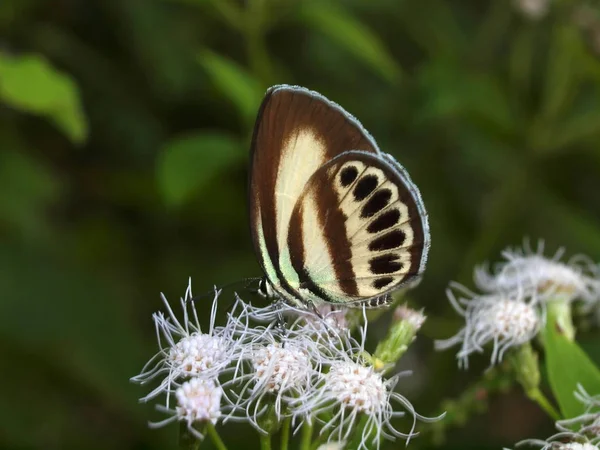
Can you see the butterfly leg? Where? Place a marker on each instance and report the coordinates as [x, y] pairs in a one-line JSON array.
[[281, 324]]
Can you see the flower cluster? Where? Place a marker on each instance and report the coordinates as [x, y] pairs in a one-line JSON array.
[[586, 426], [578, 433], [510, 308], [274, 364]]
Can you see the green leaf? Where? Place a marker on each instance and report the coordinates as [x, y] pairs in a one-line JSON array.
[[567, 366], [29, 83], [189, 162], [434, 26], [27, 189], [574, 130], [562, 72], [349, 33], [234, 82], [69, 322], [449, 91]]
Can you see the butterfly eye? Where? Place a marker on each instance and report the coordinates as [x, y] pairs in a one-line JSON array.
[[365, 186], [348, 175]]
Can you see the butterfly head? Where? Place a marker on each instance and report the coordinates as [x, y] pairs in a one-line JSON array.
[[265, 289]]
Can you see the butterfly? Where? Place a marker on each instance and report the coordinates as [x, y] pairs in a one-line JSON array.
[[333, 218]]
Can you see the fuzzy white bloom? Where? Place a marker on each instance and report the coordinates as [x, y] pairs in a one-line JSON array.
[[415, 318], [324, 318], [577, 446], [533, 9], [267, 364], [198, 401], [552, 444], [531, 271], [350, 390], [504, 320], [185, 351], [276, 366], [334, 445], [578, 433], [328, 319], [587, 425]]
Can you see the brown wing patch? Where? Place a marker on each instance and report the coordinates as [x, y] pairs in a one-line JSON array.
[[296, 132]]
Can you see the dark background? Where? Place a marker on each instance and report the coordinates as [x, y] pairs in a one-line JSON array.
[[127, 174]]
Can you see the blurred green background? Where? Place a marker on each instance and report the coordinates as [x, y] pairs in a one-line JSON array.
[[124, 138]]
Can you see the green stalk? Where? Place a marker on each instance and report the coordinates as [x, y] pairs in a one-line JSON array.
[[526, 368], [214, 436], [537, 396], [307, 431], [471, 402], [187, 441], [285, 433], [265, 441]]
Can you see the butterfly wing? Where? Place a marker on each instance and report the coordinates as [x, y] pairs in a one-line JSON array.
[[297, 131], [358, 231]]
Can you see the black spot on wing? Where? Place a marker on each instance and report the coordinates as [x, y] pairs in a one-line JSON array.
[[348, 175], [387, 220], [380, 283], [365, 186], [385, 264], [388, 241], [376, 203]]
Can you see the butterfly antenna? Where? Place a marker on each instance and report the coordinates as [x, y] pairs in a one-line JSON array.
[[246, 282]]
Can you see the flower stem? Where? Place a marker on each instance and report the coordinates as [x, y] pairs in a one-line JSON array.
[[187, 441], [526, 369], [474, 400], [265, 441], [537, 396], [285, 433], [214, 436], [307, 431]]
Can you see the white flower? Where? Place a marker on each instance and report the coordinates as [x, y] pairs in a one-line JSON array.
[[185, 351], [322, 319], [586, 437], [329, 318], [350, 390], [334, 445], [505, 320], [552, 444], [588, 423], [279, 368], [548, 277], [198, 401], [415, 318], [533, 9], [276, 366], [577, 446]]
